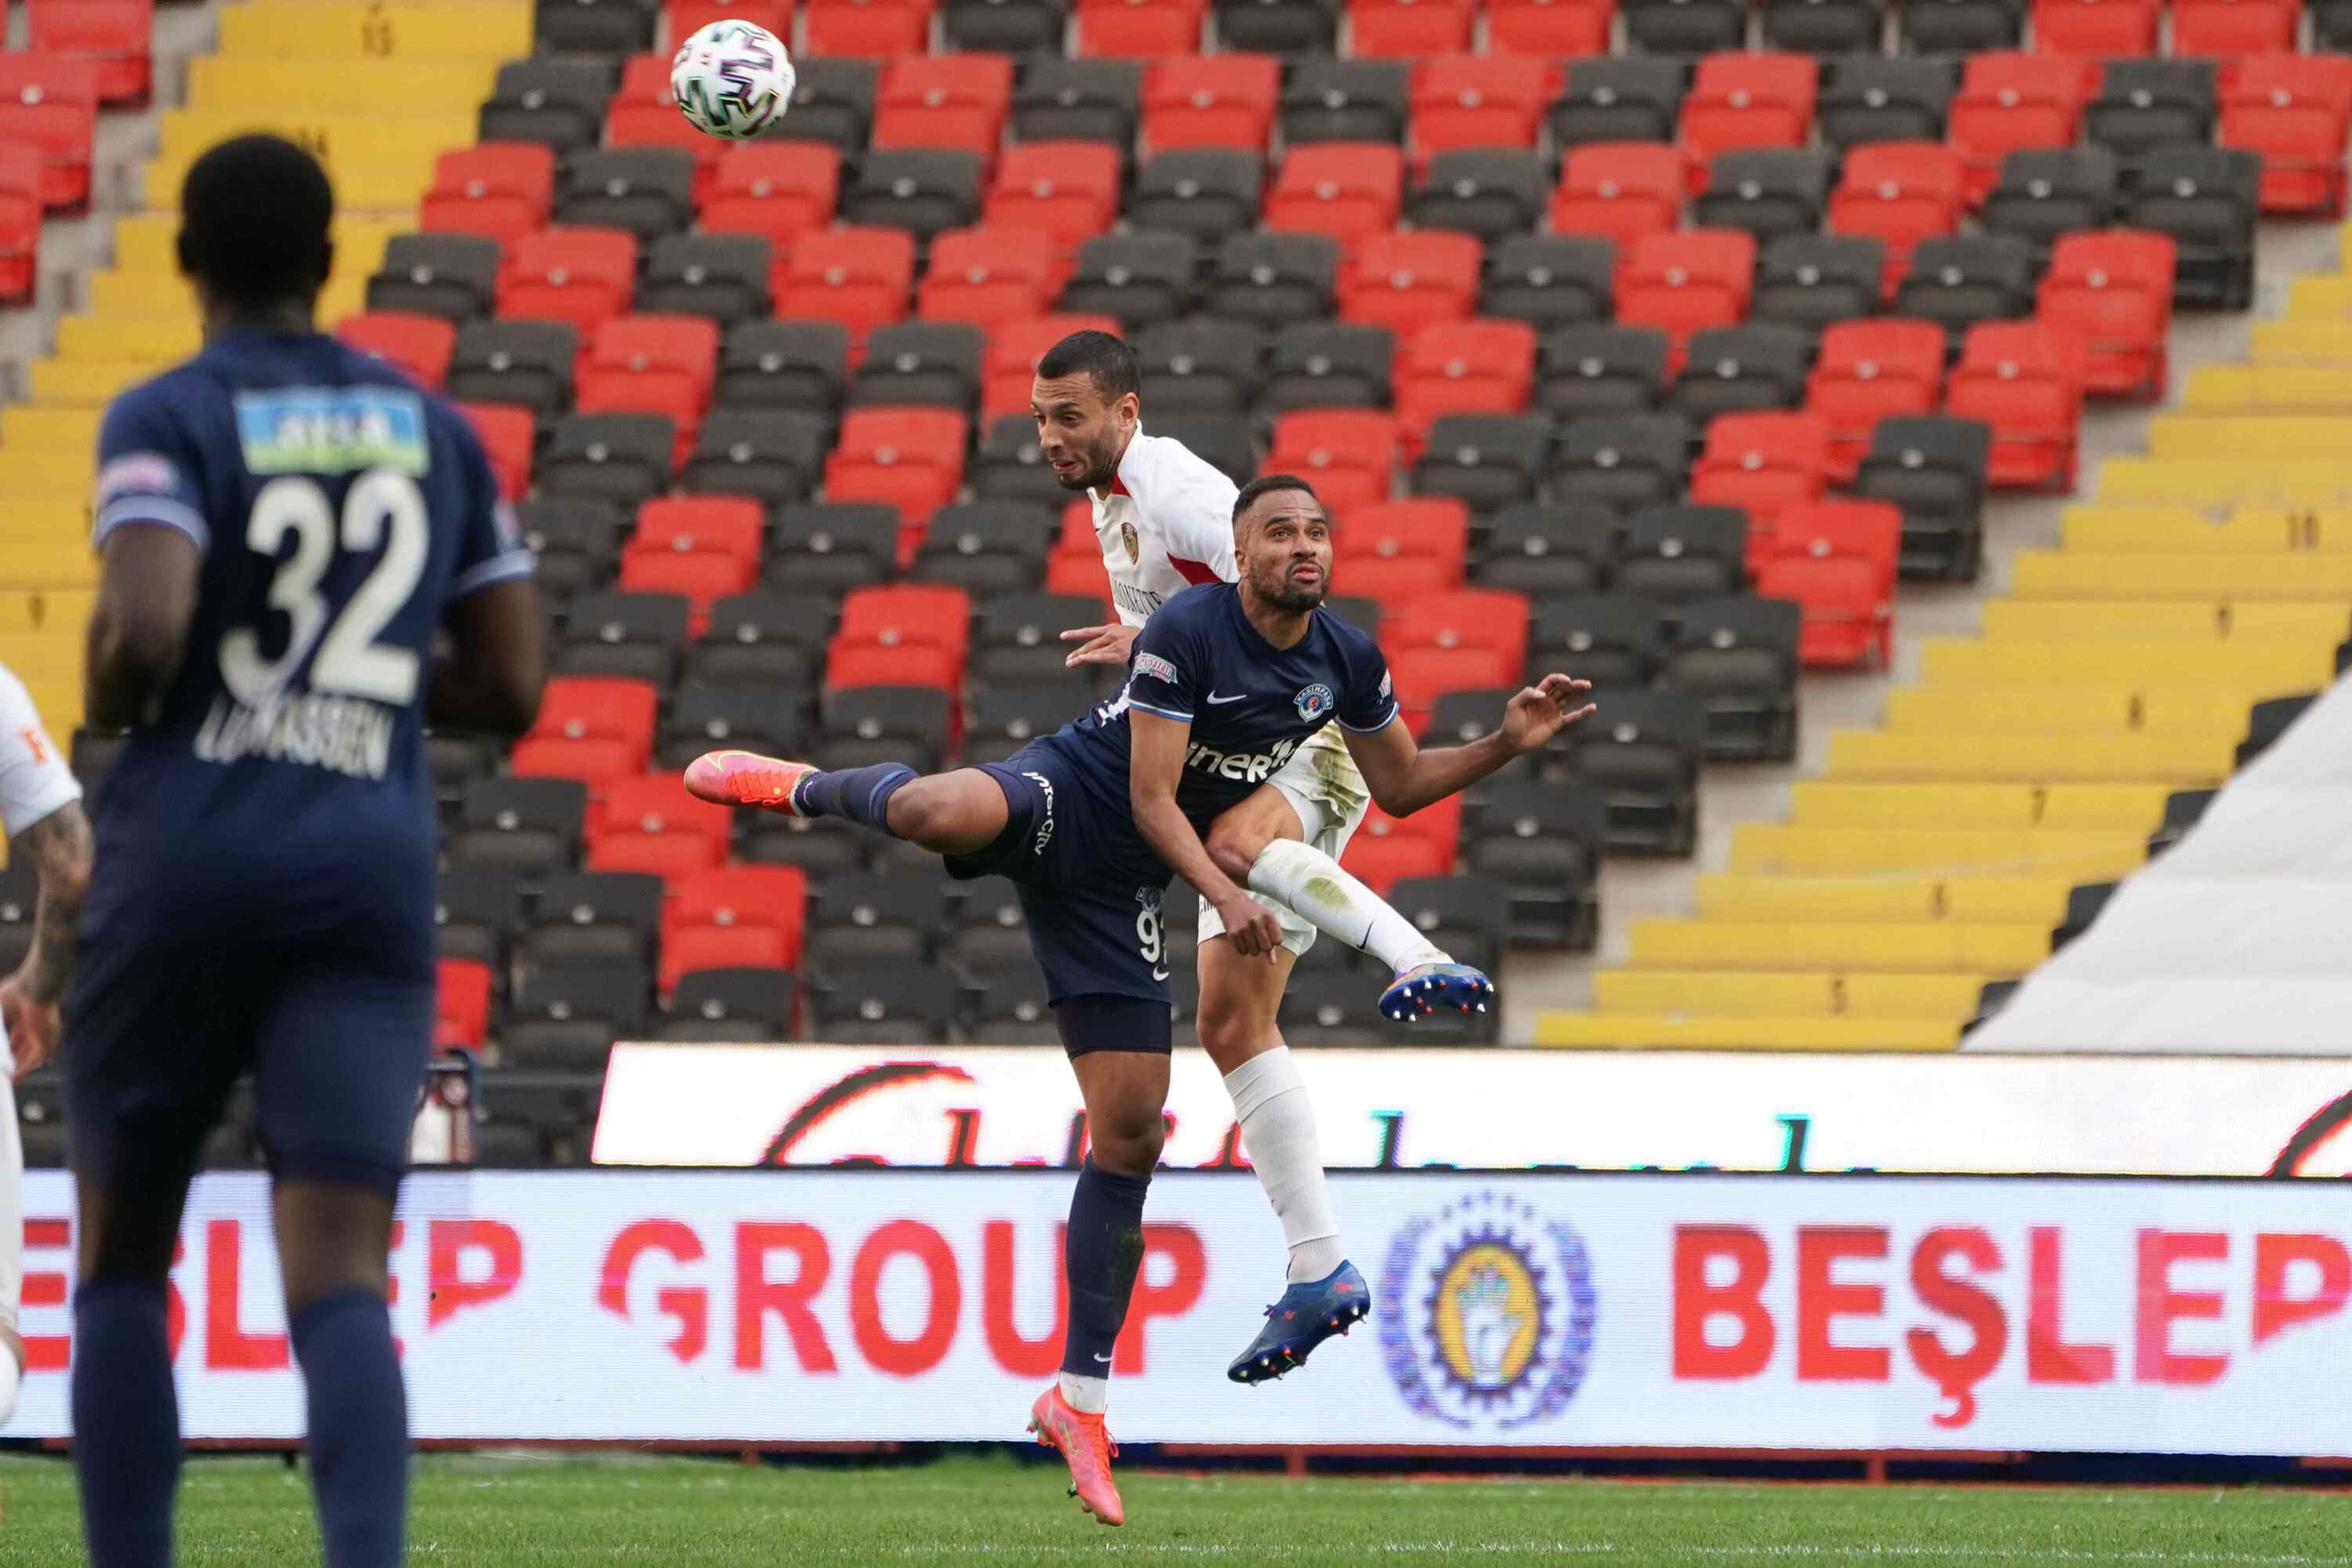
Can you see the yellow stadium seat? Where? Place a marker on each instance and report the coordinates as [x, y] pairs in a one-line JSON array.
[[2300, 574], [68, 383], [366, 179], [2269, 668], [42, 656], [2085, 855], [48, 564], [2308, 340], [27, 612], [1617, 1031], [2191, 759], [158, 341], [115, 293], [2175, 530], [1732, 897], [2320, 296], [2205, 710], [73, 430], [301, 29], [2218, 484], [1703, 992], [2132, 807], [375, 160], [30, 475], [1911, 946], [2061, 620], [143, 242], [2289, 436], [2268, 389], [298, 86]]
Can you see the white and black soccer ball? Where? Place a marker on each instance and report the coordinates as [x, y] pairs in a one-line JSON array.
[[731, 79]]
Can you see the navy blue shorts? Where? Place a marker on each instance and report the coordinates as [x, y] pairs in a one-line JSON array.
[[157, 1034], [1090, 890]]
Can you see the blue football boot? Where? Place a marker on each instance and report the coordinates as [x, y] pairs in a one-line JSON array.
[[1307, 1315], [1433, 987]]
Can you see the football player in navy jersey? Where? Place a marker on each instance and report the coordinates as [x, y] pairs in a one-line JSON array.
[[284, 524], [1226, 682]]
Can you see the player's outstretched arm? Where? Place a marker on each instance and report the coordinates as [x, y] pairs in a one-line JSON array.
[[139, 628], [497, 665], [1403, 778], [59, 849], [1154, 769]]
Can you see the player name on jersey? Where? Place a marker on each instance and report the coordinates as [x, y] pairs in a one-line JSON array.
[[348, 735]]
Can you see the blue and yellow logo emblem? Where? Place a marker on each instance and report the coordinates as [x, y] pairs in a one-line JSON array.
[[1498, 1317]]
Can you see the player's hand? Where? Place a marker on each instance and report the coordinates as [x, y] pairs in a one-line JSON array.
[[1540, 712], [32, 1025], [1099, 645], [1255, 933]]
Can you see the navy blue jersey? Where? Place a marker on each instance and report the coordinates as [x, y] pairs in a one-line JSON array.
[[1251, 704], [339, 511]]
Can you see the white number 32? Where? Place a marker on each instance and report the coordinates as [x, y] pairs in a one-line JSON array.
[[383, 510]]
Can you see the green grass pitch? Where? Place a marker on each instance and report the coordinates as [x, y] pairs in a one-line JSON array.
[[527, 1512]]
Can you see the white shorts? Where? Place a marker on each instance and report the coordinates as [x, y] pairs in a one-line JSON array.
[[12, 1214], [1323, 786]]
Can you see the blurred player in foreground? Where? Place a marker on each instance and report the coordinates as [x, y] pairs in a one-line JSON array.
[[284, 522], [40, 809], [1090, 821], [1165, 522]]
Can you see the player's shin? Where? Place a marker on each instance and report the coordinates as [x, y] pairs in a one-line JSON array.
[[1100, 1259], [1313, 886], [860, 795], [1278, 1133], [358, 1426], [126, 1421]]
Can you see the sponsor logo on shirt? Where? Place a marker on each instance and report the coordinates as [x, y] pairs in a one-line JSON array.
[[1044, 829], [331, 430], [1242, 767], [1158, 668]]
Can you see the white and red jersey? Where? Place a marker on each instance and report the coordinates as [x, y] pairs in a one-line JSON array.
[[35, 782], [1166, 523]]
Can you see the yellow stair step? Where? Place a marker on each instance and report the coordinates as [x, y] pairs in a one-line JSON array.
[[2218, 485], [2267, 389], [230, 81], [2321, 296], [1922, 710], [2186, 620], [48, 564], [1767, 993], [2069, 574], [43, 656], [2111, 529], [498, 29], [2269, 668], [1910, 946], [75, 430], [2308, 341], [27, 612], [2191, 759], [2130, 808], [1730, 896], [1610, 1031], [2082, 855], [69, 384], [158, 341]]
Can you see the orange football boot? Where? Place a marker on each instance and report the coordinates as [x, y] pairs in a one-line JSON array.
[[1087, 1447], [746, 778]]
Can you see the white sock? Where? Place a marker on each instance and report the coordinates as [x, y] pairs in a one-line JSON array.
[[1311, 885], [1277, 1122], [1089, 1395]]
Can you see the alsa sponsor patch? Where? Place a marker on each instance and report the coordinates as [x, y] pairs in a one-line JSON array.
[[331, 430], [136, 474], [1158, 668]]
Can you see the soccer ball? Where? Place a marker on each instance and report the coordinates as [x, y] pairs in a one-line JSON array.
[[731, 79]]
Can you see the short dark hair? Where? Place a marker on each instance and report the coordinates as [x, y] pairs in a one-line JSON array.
[[1265, 484], [1102, 356], [255, 216]]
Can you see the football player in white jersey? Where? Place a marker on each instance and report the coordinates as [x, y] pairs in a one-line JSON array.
[[1164, 518], [40, 808]]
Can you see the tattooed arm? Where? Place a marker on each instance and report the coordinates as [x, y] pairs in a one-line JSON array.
[[59, 848]]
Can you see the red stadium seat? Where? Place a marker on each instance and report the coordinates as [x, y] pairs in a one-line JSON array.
[[1550, 29], [2024, 379], [2295, 111], [588, 759], [417, 346], [1899, 193], [1077, 539], [1763, 463], [1211, 100], [114, 35], [1069, 189], [1433, 529], [642, 113], [1381, 863], [1438, 824], [1074, 573], [1348, 190], [669, 855], [1013, 353], [914, 665], [1479, 101], [1739, 101], [1409, 29], [721, 525], [701, 578], [2009, 103], [461, 1003], [502, 189], [600, 708], [910, 459], [858, 276], [20, 223], [653, 364], [740, 899], [956, 101], [2229, 29], [508, 435], [1837, 559], [584, 276], [1867, 371], [1684, 283], [1462, 367], [780, 190], [867, 29], [693, 948], [649, 803], [1619, 190], [1485, 618], [2113, 291], [986, 276], [1422, 675], [1349, 455], [687, 17], [1394, 582], [932, 615], [2096, 29], [1405, 282], [49, 102], [1138, 30]]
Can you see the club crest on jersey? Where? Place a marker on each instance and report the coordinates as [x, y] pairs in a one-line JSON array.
[[1127, 536], [1315, 702]]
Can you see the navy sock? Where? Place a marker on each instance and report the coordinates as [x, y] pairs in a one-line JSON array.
[[861, 795], [1100, 1260], [126, 1421], [358, 1427]]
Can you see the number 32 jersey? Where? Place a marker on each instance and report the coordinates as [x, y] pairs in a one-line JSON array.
[[338, 510]]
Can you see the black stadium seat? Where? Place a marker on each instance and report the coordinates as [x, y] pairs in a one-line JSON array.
[[1142, 279], [1327, 365], [1601, 370], [736, 1005], [762, 639], [1882, 97], [452, 275], [1208, 192], [918, 362], [784, 364], [594, 918], [559, 104], [1200, 367], [646, 191], [832, 102], [1549, 280]]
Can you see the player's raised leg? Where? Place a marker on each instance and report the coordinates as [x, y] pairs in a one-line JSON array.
[[1125, 1088], [958, 813]]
